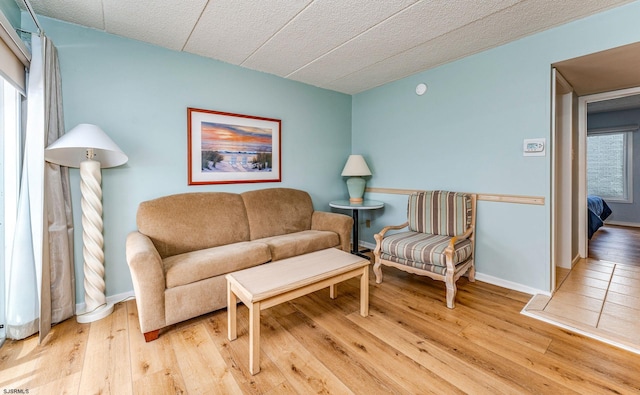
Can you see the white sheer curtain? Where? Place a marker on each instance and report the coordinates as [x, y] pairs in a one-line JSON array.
[[41, 277]]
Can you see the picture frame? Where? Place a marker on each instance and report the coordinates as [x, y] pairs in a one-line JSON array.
[[228, 148]]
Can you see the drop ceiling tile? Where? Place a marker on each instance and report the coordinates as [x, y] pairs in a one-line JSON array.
[[413, 26], [347, 46], [81, 12], [167, 23], [512, 23], [321, 27], [231, 30], [431, 54]]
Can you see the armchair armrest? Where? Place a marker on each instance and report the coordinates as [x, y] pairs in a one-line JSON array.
[[380, 235], [335, 222], [147, 274], [452, 244]]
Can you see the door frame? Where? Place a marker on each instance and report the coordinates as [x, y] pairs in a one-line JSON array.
[[562, 132], [583, 101]]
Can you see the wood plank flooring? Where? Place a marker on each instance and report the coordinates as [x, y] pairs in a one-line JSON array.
[[597, 298], [409, 344], [600, 295], [619, 244]]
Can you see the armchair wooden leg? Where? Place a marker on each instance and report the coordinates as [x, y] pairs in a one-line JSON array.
[[378, 272], [451, 295], [472, 273], [450, 281], [151, 336]]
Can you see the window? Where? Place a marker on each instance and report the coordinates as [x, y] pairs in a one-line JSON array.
[[14, 59], [609, 158], [9, 179]]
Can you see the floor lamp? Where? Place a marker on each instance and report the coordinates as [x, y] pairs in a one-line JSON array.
[[88, 147]]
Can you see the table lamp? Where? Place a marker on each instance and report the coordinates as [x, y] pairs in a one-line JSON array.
[[355, 169], [88, 147]]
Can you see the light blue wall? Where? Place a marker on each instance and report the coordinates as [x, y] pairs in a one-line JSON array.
[[466, 134], [11, 11], [139, 94], [628, 213]]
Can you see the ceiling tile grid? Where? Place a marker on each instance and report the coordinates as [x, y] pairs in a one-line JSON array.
[[412, 27], [231, 30], [163, 23], [512, 23], [344, 45], [320, 28]]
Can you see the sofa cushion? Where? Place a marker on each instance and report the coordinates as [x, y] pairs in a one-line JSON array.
[[199, 265], [193, 221], [293, 244], [423, 251], [277, 211]]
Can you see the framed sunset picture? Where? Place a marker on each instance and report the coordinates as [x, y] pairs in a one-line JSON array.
[[227, 148]]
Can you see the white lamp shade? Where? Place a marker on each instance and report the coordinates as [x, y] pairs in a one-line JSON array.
[[71, 149], [356, 166]]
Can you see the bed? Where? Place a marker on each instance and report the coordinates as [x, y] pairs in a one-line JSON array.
[[598, 212]]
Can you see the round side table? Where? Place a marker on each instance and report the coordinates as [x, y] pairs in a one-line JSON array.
[[355, 209]]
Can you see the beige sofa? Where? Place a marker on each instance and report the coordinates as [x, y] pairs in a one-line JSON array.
[[186, 243]]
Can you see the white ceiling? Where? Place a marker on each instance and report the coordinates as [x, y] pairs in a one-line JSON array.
[[343, 45]]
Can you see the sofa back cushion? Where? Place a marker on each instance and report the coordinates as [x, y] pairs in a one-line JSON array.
[[277, 211], [193, 221], [439, 212]]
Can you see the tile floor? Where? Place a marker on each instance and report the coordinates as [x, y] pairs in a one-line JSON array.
[[599, 299]]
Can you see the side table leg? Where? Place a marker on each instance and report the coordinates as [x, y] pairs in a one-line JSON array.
[[232, 305], [254, 338], [364, 292], [355, 243]]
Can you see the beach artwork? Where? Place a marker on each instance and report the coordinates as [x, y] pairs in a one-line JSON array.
[[235, 148], [232, 148]]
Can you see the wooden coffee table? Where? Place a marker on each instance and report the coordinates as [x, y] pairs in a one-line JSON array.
[[273, 283]]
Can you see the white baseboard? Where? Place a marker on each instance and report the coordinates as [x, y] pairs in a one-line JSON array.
[[575, 260], [364, 244], [510, 284], [113, 299], [622, 223]]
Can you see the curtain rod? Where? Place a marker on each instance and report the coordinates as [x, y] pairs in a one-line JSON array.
[[26, 31], [27, 5], [11, 38]]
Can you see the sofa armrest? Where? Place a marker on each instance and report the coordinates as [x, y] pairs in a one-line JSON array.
[[147, 274], [339, 223]]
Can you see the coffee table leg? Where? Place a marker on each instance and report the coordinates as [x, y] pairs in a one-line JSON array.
[[364, 292], [232, 305], [254, 338], [333, 291]]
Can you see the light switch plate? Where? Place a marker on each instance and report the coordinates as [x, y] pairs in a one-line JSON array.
[[534, 147]]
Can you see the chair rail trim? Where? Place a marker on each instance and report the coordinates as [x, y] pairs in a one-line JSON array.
[[518, 199]]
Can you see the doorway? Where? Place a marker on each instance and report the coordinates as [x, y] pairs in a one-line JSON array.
[[596, 78], [624, 99]]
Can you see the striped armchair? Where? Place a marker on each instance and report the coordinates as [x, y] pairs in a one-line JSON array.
[[439, 242]]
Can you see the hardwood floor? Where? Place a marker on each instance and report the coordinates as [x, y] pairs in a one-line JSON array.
[[620, 244], [409, 344]]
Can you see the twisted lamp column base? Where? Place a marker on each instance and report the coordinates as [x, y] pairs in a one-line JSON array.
[[92, 240]]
